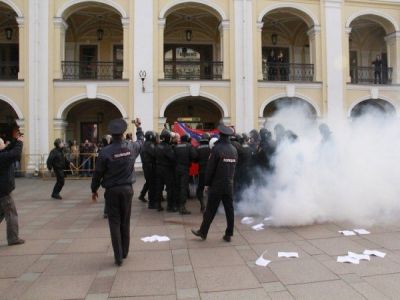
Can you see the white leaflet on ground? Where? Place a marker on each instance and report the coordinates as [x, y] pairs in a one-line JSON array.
[[359, 256], [268, 219], [247, 220], [347, 232], [258, 227], [361, 231], [261, 261], [155, 238], [288, 254], [375, 253], [348, 259]]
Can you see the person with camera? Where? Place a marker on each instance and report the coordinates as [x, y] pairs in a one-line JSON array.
[[8, 156]]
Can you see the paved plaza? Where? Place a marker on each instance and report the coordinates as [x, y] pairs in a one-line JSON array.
[[68, 255]]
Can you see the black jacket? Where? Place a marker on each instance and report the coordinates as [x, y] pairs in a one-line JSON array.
[[203, 154], [8, 157], [221, 167], [115, 165], [57, 160], [184, 155], [148, 154], [165, 156]]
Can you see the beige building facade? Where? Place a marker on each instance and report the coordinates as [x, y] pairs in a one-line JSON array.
[[67, 67]]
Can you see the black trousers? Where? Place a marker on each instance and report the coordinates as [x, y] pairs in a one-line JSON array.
[[165, 177], [200, 186], [150, 185], [214, 199], [59, 183], [119, 203], [181, 185], [145, 188]]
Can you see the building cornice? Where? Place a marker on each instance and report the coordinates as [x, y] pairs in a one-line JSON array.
[[12, 84], [111, 83], [188, 83], [298, 85]]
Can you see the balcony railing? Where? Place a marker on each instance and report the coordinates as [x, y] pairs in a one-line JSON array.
[[193, 70], [371, 75], [78, 70], [9, 70], [288, 72]]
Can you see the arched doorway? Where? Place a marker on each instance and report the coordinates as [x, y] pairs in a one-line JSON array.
[[373, 107], [368, 50], [196, 112], [286, 54], [192, 43], [9, 43], [8, 118], [88, 120], [292, 112], [93, 42]]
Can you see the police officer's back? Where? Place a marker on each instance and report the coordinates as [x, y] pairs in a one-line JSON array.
[[148, 156], [165, 162], [219, 179], [115, 172], [203, 153], [185, 154]]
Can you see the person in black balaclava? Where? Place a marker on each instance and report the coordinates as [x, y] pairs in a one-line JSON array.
[[165, 162], [58, 162]]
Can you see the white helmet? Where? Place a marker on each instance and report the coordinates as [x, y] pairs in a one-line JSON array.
[[212, 142]]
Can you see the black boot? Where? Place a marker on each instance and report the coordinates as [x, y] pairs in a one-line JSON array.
[[199, 234], [142, 198], [184, 211]]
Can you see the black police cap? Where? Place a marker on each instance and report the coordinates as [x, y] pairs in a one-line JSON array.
[[117, 126], [225, 130]]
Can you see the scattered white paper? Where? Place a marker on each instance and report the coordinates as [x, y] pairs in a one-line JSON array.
[[155, 238], [268, 219], [348, 259], [347, 232], [375, 253], [262, 262], [247, 220], [359, 256], [288, 254], [361, 231], [258, 227]]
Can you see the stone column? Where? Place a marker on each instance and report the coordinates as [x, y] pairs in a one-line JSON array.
[[60, 128], [161, 28], [21, 48], [259, 58], [60, 28], [126, 62], [334, 60], [393, 48], [314, 35], [225, 48], [346, 55]]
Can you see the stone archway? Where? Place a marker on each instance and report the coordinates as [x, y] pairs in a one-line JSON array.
[[196, 112], [373, 107]]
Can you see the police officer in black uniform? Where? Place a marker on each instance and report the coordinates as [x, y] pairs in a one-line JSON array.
[[184, 155], [203, 153], [165, 163], [219, 179], [58, 162], [115, 171], [148, 156]]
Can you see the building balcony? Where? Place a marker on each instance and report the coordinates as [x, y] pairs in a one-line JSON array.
[[9, 70], [78, 70], [371, 75], [193, 70], [288, 72]]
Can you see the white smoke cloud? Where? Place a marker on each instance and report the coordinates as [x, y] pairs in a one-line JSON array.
[[355, 177]]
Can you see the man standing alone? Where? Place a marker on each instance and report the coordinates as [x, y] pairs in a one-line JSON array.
[[115, 171], [8, 211], [219, 181]]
